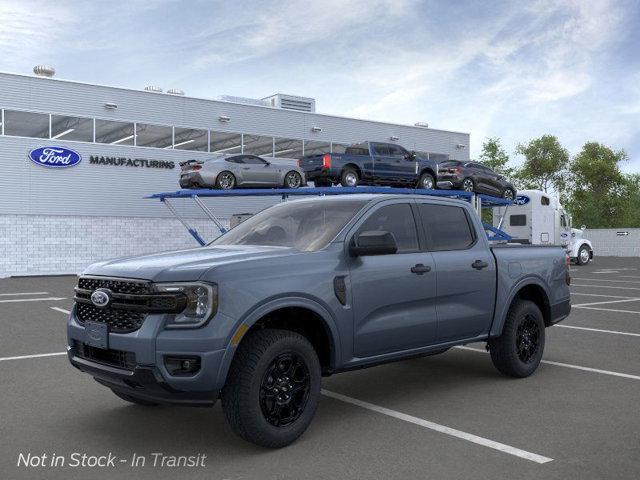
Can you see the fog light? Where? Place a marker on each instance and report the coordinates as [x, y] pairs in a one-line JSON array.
[[182, 366]]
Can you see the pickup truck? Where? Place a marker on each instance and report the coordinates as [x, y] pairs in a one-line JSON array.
[[371, 163], [309, 288]]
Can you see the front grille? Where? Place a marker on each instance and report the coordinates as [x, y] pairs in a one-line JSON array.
[[119, 321], [113, 358], [116, 285]]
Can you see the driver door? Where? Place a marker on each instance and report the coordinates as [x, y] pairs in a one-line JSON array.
[[258, 171], [394, 307]]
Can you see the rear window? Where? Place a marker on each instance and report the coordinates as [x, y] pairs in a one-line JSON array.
[[517, 220], [446, 227]]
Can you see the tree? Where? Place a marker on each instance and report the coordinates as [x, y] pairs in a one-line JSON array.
[[495, 157], [545, 164], [600, 193]]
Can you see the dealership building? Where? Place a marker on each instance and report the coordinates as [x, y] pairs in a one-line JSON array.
[[128, 144]]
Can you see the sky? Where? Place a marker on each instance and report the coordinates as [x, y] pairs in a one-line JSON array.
[[514, 69]]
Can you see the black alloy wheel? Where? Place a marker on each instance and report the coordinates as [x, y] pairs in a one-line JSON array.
[[527, 339], [293, 180], [285, 389]]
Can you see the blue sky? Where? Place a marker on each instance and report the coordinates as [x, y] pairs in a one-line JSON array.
[[515, 69]]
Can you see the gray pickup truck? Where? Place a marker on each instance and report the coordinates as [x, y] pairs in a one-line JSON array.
[[309, 288]]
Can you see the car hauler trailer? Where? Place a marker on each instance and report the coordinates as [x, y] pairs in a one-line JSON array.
[[478, 201], [538, 218]]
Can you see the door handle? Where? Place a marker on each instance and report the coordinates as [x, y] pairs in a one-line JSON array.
[[246, 168], [479, 265], [419, 269]]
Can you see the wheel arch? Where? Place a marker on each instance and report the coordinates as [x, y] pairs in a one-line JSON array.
[[298, 314], [354, 166], [531, 289]]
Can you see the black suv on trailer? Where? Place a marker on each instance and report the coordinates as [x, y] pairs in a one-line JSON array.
[[474, 177]]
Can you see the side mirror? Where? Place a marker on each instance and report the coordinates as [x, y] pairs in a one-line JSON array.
[[583, 227], [410, 156], [267, 164], [373, 242]]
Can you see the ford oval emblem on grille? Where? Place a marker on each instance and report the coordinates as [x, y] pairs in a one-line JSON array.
[[56, 157], [101, 297]]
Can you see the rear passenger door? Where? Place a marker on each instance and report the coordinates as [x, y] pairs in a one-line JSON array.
[[394, 307], [382, 161], [465, 271]]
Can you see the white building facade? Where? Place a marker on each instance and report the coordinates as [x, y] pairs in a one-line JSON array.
[[129, 144]]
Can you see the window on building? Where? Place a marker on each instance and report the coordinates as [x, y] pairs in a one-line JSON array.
[[26, 124], [287, 148], [190, 139], [258, 145], [114, 133], [312, 147], [225, 142], [72, 128], [339, 147], [398, 220], [158, 136]]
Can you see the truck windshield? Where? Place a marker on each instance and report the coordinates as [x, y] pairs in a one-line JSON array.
[[306, 226]]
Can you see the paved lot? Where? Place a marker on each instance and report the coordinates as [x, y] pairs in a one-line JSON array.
[[580, 410]]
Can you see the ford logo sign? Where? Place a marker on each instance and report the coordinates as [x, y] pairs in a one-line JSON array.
[[521, 200], [101, 297], [56, 157]]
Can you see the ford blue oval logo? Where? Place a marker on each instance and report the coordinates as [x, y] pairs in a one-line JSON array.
[[56, 157], [521, 200]]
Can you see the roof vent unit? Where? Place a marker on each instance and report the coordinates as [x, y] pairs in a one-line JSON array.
[[44, 71], [244, 100], [422, 124], [292, 102], [153, 88], [175, 91]]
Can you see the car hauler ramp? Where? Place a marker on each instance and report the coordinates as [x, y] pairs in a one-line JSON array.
[[479, 201]]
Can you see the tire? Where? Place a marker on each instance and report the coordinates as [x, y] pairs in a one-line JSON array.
[[584, 256], [518, 351], [246, 396], [349, 178], [508, 194], [292, 180], [427, 181], [322, 182], [137, 401], [225, 180], [468, 185]]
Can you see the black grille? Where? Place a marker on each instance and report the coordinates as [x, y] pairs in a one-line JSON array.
[[132, 287], [113, 358], [119, 321]]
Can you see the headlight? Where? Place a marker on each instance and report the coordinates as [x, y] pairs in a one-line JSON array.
[[201, 303]]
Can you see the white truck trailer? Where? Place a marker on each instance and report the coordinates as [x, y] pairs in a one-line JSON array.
[[537, 218]]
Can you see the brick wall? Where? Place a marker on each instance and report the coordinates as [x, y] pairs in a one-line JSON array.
[[46, 245]]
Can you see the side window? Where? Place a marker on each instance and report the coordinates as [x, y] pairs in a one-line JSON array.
[[398, 220], [235, 159], [544, 200], [447, 227], [396, 151], [381, 149], [517, 220], [253, 160]]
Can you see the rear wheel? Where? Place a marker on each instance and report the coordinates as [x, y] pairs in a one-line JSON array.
[[583, 255], [468, 185], [518, 351], [272, 388], [508, 194], [225, 181], [292, 180], [426, 181], [349, 178], [137, 401]]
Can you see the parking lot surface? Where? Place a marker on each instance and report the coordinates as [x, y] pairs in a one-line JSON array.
[[446, 416]]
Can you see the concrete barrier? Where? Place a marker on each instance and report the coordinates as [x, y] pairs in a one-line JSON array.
[[614, 242]]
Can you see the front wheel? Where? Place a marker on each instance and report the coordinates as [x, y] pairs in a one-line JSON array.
[[427, 181], [349, 178], [272, 388], [468, 185], [518, 351], [292, 180], [583, 255], [508, 194]]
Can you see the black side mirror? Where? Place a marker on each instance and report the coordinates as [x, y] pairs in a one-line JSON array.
[[374, 242], [410, 156]]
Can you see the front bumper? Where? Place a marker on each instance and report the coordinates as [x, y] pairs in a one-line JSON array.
[[144, 373]]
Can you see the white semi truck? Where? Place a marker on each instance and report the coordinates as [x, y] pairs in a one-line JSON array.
[[537, 218]]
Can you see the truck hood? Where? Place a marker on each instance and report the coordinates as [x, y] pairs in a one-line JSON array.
[[183, 265]]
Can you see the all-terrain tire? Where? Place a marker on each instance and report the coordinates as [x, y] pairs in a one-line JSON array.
[[250, 369], [512, 353], [137, 401]]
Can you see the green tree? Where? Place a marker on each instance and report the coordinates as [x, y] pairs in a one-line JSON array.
[[630, 217], [545, 164], [495, 157], [599, 193]]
